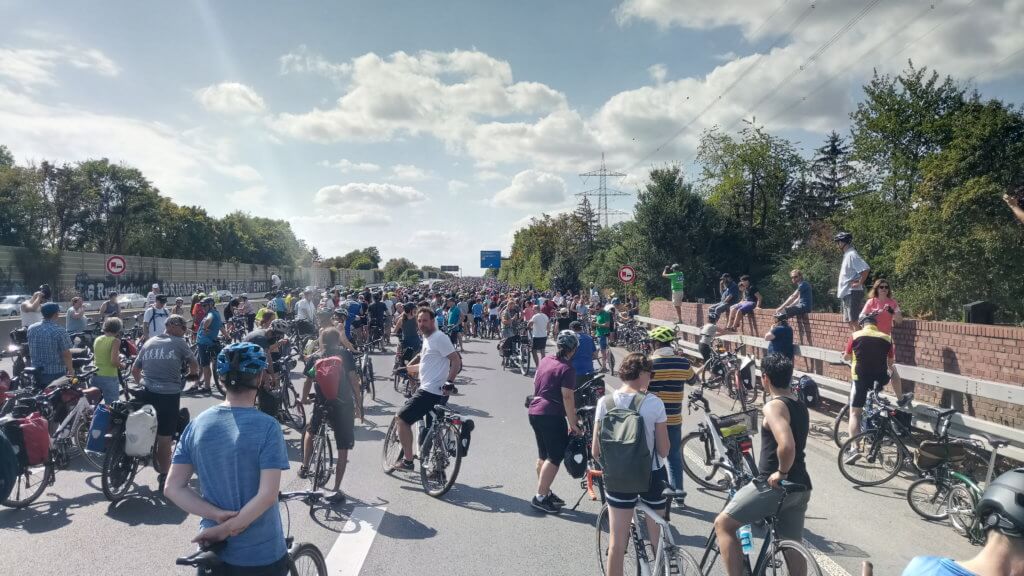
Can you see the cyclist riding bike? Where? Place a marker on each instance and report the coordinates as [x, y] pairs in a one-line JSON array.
[[377, 312], [439, 364], [238, 454], [207, 337], [1001, 510]]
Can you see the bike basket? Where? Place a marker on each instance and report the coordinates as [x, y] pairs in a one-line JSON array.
[[738, 424], [930, 454]]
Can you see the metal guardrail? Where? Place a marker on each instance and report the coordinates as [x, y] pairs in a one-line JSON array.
[[839, 390]]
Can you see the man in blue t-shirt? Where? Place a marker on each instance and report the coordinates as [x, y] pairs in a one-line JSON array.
[[586, 353], [730, 295], [207, 341], [478, 316], [801, 300], [238, 453], [780, 337]]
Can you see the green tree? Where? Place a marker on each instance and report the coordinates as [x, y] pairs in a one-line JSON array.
[[395, 268]]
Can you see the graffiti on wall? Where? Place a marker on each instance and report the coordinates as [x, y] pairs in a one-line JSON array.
[[97, 288]]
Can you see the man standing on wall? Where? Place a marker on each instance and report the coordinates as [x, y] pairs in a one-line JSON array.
[[676, 278], [853, 272]]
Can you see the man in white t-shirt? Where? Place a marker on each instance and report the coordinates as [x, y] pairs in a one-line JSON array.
[[155, 318], [538, 325], [437, 365], [304, 308], [151, 298]]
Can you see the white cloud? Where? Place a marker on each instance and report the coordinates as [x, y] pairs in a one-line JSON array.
[[367, 193], [435, 239], [345, 166], [490, 176], [457, 186], [657, 72], [302, 61], [437, 93], [410, 173], [231, 98], [531, 188], [249, 199], [29, 67]]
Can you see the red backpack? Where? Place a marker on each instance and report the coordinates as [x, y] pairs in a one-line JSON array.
[[30, 437], [328, 376]]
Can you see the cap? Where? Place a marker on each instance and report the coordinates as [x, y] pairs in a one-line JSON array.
[[156, 286], [49, 309]]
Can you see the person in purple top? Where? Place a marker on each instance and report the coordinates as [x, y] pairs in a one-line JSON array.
[[554, 386]]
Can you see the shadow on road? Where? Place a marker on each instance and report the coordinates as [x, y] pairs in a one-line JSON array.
[[335, 518], [833, 547], [146, 507], [46, 515]]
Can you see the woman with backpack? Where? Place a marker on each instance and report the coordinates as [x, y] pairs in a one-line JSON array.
[[624, 457], [553, 402]]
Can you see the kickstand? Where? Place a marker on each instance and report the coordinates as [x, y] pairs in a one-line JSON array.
[[580, 499]]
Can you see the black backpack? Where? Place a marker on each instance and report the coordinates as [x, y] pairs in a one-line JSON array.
[[807, 392]]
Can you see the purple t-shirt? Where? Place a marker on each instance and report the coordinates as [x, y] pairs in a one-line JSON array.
[[552, 375]]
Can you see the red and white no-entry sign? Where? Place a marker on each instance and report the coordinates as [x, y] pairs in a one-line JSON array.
[[627, 274], [116, 265]]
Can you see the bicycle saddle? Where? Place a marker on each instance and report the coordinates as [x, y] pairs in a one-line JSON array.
[[993, 441], [670, 493], [206, 556]]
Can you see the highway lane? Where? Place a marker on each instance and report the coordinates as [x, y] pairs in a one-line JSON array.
[[484, 525]]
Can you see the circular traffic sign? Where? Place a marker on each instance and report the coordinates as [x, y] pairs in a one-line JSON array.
[[116, 265], [627, 274]]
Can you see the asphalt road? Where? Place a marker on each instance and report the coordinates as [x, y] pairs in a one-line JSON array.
[[485, 525]]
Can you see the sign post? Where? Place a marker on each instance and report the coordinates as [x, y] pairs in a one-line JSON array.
[[116, 265], [490, 258], [627, 274]]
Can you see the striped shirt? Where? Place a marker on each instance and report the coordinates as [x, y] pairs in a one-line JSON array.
[[668, 377]]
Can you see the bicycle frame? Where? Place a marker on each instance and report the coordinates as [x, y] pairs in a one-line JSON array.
[[768, 549], [718, 443], [666, 543]]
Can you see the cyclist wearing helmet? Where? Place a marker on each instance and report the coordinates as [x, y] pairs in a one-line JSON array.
[[669, 374], [207, 339], [870, 353], [340, 320], [554, 387], [179, 307], [1001, 510], [271, 340], [853, 272], [238, 454]]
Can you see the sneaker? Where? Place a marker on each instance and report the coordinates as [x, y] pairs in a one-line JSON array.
[[555, 500], [303, 472], [336, 498], [851, 457], [546, 505], [404, 464]]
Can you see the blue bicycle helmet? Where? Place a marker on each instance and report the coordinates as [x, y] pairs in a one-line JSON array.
[[243, 358]]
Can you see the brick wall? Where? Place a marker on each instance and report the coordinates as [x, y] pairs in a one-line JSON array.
[[989, 352]]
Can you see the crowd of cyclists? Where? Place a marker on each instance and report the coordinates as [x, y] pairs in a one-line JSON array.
[[633, 436]]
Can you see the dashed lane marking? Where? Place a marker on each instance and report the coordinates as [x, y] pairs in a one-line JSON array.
[[353, 544]]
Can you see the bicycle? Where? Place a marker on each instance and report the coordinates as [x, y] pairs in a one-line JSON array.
[[303, 558], [290, 410], [377, 336], [962, 502], [587, 396], [670, 559], [877, 455], [366, 380], [720, 444], [440, 450], [404, 383], [742, 386], [776, 553], [321, 462]]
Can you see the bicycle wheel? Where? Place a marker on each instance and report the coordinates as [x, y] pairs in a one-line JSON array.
[[960, 507], [217, 384], [392, 447], [81, 440], [928, 498], [296, 411], [871, 458], [307, 560], [370, 379], [440, 459], [789, 557], [841, 426], [322, 466], [698, 457], [681, 562], [630, 562], [524, 359], [29, 484], [118, 470], [611, 362]]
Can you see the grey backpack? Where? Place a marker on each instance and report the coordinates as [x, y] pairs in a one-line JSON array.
[[625, 457]]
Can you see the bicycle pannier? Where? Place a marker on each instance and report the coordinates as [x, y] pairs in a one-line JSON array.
[[807, 392], [575, 459], [747, 373], [140, 431], [9, 466], [465, 436], [625, 456], [930, 454], [99, 429], [30, 438]]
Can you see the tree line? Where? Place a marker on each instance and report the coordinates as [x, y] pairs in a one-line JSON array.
[[918, 179]]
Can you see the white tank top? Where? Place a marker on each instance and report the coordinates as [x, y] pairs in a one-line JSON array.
[[30, 318]]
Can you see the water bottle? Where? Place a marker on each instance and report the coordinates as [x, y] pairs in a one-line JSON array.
[[746, 538]]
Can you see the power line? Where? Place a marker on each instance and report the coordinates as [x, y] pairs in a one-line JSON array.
[[750, 68], [996, 65], [602, 192]]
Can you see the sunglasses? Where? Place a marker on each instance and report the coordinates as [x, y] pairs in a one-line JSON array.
[[883, 286]]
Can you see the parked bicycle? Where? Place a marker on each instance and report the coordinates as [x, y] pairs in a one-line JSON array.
[[321, 462], [962, 502], [304, 559], [366, 378], [720, 444], [877, 455]]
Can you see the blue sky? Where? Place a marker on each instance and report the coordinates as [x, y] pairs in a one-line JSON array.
[[434, 129]]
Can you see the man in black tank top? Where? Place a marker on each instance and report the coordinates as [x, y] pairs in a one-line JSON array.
[[783, 439]]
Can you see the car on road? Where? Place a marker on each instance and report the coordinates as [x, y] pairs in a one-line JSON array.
[[223, 295], [130, 300], [11, 305]]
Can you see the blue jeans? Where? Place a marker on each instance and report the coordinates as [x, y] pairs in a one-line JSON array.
[[110, 386], [675, 456], [717, 310]]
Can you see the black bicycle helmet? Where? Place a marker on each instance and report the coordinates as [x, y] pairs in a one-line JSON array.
[[341, 313], [844, 237], [1002, 504], [567, 340], [781, 315]]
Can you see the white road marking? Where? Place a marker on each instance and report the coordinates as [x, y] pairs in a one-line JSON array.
[[353, 544]]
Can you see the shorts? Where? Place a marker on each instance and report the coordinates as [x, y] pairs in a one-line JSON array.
[[552, 434], [341, 417], [861, 386], [744, 307], [421, 403], [206, 354], [539, 344], [166, 407], [109, 385], [853, 303], [602, 342], [705, 351], [757, 500], [677, 297], [653, 497]]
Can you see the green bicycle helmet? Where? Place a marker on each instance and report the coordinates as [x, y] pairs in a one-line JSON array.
[[662, 334]]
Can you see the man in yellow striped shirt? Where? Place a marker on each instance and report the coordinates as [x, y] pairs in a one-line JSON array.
[[668, 377]]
